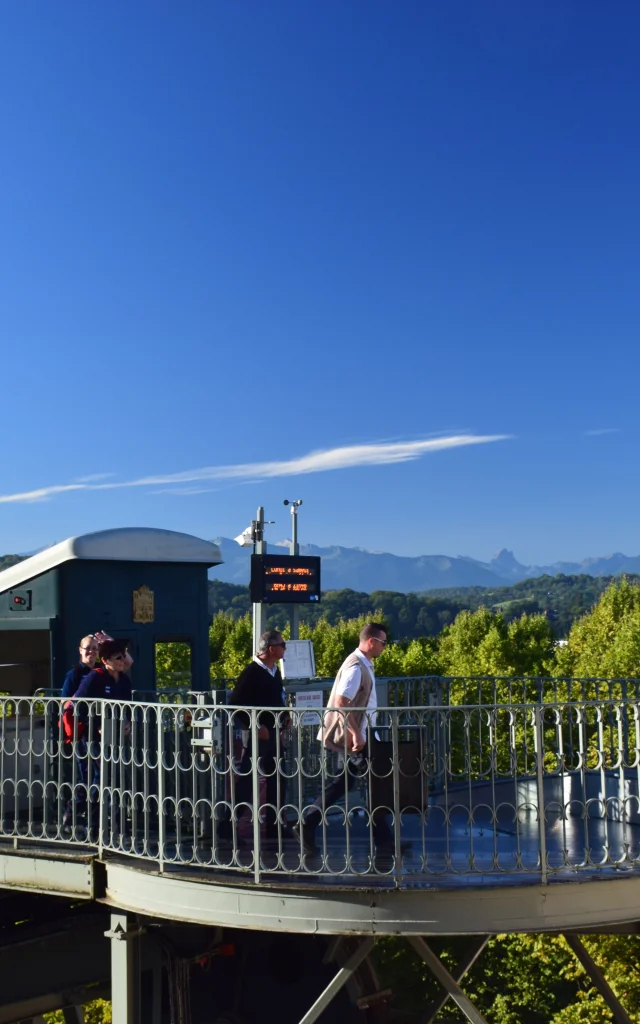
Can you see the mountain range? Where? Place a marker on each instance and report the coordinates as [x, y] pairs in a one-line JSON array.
[[363, 570]]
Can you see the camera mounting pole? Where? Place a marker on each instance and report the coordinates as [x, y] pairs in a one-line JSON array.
[[259, 548], [294, 549]]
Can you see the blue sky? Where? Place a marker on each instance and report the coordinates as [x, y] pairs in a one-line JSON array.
[[237, 234]]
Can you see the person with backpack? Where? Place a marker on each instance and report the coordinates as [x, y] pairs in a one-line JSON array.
[[82, 729]]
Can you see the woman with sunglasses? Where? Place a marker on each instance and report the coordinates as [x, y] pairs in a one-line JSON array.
[[108, 681], [89, 650]]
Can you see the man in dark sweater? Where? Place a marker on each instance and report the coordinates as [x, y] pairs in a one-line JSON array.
[[259, 685]]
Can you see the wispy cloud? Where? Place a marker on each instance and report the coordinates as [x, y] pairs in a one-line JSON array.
[[602, 430], [346, 457], [93, 478], [181, 491], [44, 493]]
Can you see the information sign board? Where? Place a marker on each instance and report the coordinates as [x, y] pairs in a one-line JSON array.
[[298, 661], [285, 579], [310, 699]]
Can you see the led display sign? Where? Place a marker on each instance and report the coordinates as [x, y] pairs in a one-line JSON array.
[[285, 579]]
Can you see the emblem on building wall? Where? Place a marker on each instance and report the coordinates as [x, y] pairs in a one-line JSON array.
[[143, 610]]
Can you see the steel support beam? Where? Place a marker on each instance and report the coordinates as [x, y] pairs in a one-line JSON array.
[[439, 971], [598, 979], [472, 954], [125, 971], [343, 975]]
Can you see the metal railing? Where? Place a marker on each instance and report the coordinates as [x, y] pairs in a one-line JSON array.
[[422, 691], [440, 792]]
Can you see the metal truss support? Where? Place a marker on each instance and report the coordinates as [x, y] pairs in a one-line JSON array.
[[449, 983], [363, 987], [620, 1015], [344, 974], [472, 954], [125, 970]]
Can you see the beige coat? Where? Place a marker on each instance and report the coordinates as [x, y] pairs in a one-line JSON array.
[[332, 732]]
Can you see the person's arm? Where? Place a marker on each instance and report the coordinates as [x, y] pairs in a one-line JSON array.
[[357, 739], [78, 706], [128, 660], [84, 690], [68, 685], [349, 685]]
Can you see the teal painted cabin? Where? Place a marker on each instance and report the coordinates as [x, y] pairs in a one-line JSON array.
[[145, 584]]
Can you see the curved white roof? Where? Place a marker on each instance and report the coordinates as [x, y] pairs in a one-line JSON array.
[[129, 544]]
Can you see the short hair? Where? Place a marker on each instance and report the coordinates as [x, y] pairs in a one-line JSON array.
[[267, 639], [85, 640], [372, 629]]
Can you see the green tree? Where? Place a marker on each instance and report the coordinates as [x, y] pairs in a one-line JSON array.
[[531, 645], [96, 1012], [173, 663], [332, 644], [236, 650], [606, 641]]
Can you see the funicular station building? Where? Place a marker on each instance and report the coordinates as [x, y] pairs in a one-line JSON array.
[[513, 807]]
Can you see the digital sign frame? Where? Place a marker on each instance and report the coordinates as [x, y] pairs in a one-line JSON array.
[[285, 579]]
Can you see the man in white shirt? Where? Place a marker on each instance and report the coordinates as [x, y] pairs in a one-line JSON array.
[[354, 688]]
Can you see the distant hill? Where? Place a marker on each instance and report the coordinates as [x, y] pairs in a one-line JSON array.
[[6, 561], [366, 571], [562, 599]]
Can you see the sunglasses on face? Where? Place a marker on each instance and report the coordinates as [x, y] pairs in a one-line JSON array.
[[281, 644], [117, 657]]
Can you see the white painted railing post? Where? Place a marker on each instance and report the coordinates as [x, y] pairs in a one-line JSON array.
[[542, 832]]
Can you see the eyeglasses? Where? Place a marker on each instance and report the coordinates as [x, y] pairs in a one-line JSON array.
[[281, 644], [93, 650]]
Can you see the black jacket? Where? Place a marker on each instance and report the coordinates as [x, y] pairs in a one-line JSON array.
[[257, 688]]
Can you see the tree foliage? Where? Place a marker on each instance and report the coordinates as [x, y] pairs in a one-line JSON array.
[[606, 641], [520, 979], [561, 599], [96, 1012]]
